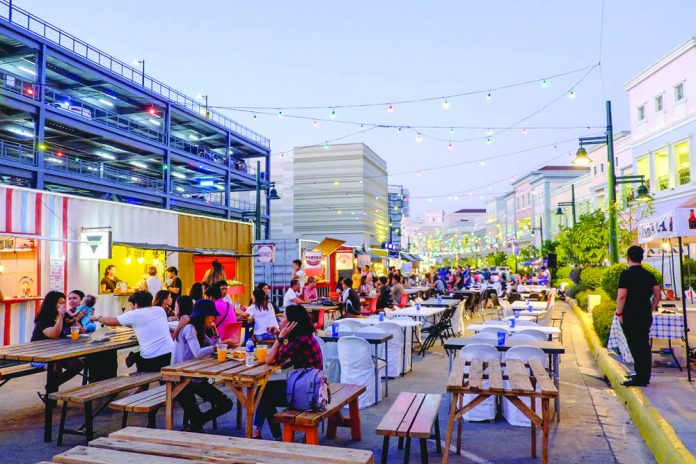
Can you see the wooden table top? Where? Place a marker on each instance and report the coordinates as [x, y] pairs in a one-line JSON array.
[[142, 445], [64, 348], [520, 381], [232, 370]]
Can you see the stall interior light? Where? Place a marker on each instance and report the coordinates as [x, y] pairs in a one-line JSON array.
[[178, 175], [27, 70], [207, 183], [193, 137], [106, 102], [140, 260], [220, 187], [128, 259], [180, 189], [107, 156]]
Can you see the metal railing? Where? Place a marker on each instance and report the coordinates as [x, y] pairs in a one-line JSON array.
[[684, 176], [100, 115], [20, 86], [38, 26], [212, 198], [17, 152], [101, 171], [197, 150]]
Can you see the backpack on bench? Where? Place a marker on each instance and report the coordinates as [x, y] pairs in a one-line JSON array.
[[308, 390]]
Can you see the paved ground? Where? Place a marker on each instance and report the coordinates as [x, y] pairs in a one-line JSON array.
[[594, 427]]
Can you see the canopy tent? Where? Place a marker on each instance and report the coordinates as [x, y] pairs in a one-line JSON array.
[[675, 219]]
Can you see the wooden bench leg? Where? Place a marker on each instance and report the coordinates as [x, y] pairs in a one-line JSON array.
[[288, 433], [239, 414], [89, 422], [459, 427], [355, 431], [450, 426], [312, 436], [534, 437], [124, 420], [438, 444], [407, 452], [545, 430], [424, 451], [61, 427], [152, 419], [385, 449], [333, 425]]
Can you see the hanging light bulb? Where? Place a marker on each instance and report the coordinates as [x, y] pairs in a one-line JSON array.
[[315, 124], [326, 145], [419, 138], [390, 108], [524, 131], [333, 114], [482, 163], [128, 259], [544, 83], [489, 140], [280, 114], [488, 96], [489, 132], [445, 105], [571, 94], [451, 130], [254, 116], [450, 146]]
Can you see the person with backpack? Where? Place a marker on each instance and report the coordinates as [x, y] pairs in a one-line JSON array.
[[295, 347], [350, 299]]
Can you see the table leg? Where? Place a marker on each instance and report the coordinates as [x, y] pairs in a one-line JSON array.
[[377, 381], [249, 411], [403, 363], [169, 406], [386, 369], [557, 382], [454, 400], [51, 386], [545, 431], [385, 449]]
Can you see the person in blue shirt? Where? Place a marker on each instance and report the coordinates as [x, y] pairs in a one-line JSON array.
[[87, 309]]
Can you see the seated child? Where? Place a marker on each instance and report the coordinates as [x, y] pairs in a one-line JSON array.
[[87, 307]]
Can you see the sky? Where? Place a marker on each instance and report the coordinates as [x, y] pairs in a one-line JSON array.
[[329, 54]]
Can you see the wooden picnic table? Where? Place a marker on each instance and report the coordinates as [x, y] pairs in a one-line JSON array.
[[57, 349], [524, 379], [141, 445], [246, 382], [552, 348]]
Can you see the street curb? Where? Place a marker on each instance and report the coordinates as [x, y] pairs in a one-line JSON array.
[[657, 433]]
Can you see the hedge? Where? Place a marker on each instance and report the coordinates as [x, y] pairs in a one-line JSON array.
[[602, 317], [563, 272], [592, 276], [610, 279]]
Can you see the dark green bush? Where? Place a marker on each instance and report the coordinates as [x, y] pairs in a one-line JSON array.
[[610, 279], [581, 298], [602, 316], [575, 289], [592, 276], [575, 274], [557, 283], [563, 272]]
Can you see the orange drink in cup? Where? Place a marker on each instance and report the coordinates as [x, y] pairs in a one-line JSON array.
[[74, 332], [261, 354], [221, 352]]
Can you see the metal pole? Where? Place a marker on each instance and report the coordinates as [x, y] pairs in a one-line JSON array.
[[541, 233], [611, 191], [572, 201], [143, 73], [9, 16], [683, 299], [257, 233]]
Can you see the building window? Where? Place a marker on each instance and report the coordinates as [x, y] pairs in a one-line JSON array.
[[661, 161], [683, 162], [641, 112], [643, 168], [658, 103], [601, 167], [679, 92], [595, 170]]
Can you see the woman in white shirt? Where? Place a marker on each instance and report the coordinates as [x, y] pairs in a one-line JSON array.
[[152, 284], [265, 322]]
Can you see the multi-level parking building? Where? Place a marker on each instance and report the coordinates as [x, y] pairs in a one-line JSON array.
[[76, 120]]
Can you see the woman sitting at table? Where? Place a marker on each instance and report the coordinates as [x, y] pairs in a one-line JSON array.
[[163, 299], [51, 323], [193, 343], [309, 292], [365, 288], [263, 315], [295, 347]]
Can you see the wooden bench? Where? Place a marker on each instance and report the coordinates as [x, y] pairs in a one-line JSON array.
[[308, 422], [521, 383], [13, 370], [86, 394], [141, 445], [149, 401], [412, 415]]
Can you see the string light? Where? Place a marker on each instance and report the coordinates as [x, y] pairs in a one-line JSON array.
[[326, 145], [524, 131], [450, 146], [489, 140], [451, 131], [544, 83], [571, 94], [390, 108], [333, 114], [489, 132], [445, 105], [254, 116], [482, 163], [280, 114], [488, 96], [315, 123], [419, 138]]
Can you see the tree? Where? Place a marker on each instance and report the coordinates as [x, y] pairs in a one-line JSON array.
[[529, 253], [588, 241], [496, 259]]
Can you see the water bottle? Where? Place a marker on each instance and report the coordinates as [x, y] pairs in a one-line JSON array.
[[418, 306], [250, 353], [381, 317]]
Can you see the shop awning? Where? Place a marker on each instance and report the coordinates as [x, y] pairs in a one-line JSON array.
[[215, 252], [328, 246], [409, 257], [154, 246]]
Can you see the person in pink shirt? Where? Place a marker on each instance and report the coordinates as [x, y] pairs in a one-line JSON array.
[[225, 322], [309, 293]]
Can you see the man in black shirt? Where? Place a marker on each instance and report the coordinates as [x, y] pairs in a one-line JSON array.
[[634, 309], [173, 284]]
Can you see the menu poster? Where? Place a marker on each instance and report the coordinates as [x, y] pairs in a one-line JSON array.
[[265, 253], [344, 261], [56, 274], [313, 263]]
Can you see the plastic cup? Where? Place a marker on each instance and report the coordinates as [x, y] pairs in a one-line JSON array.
[[334, 329], [512, 323], [221, 352], [74, 332], [501, 337], [261, 354], [516, 313]]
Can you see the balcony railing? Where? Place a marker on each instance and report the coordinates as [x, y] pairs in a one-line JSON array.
[[214, 198], [19, 86], [101, 171], [38, 26], [197, 150], [684, 176], [663, 182], [101, 116], [17, 152]]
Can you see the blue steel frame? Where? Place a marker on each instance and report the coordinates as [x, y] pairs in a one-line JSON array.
[[46, 40]]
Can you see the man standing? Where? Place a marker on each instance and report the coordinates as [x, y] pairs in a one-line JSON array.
[[174, 284], [297, 273], [634, 310]]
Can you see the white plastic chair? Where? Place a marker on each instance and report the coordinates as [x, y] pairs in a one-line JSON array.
[[395, 347], [507, 310], [485, 336], [520, 337], [332, 367], [494, 329], [487, 410], [349, 325], [538, 334], [458, 318], [546, 320], [418, 328], [355, 357], [510, 412]]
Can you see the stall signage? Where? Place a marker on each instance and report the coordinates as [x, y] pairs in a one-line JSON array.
[[312, 259], [95, 244], [265, 253], [56, 274], [344, 261], [658, 227], [364, 260]]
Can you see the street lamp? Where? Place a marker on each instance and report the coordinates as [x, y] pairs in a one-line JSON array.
[[571, 203], [205, 98], [141, 63]]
